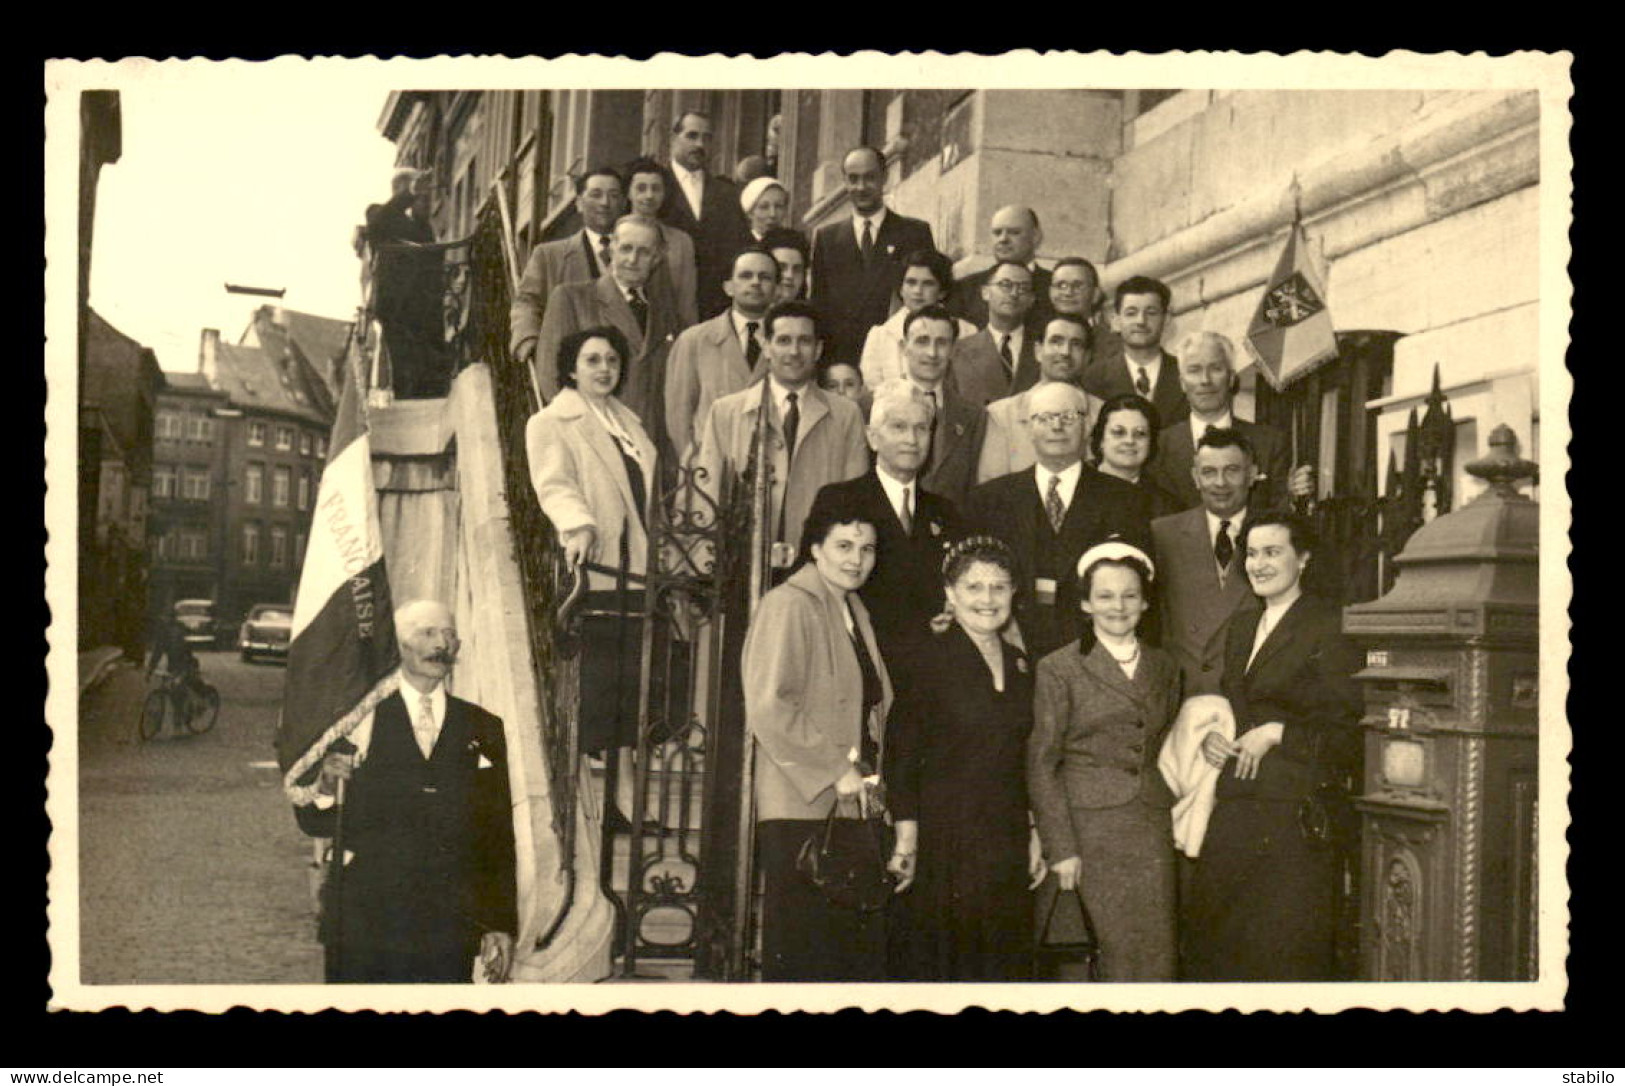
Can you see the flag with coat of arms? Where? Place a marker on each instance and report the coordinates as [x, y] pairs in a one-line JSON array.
[[1291, 332]]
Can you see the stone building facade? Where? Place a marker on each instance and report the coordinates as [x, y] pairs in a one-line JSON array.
[[1422, 204]]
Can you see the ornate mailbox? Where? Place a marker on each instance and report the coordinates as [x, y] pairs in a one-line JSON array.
[[1448, 807]]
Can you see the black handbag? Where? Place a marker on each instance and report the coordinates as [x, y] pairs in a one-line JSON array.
[[845, 859], [1050, 956]]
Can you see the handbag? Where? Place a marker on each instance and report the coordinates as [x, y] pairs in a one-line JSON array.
[[1049, 956], [845, 859]]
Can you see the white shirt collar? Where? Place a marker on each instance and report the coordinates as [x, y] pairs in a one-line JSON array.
[[894, 490], [1198, 427], [927, 393], [1018, 336], [1069, 481], [1236, 520], [620, 286], [781, 395], [414, 701], [686, 175], [739, 322], [1152, 369], [875, 219]]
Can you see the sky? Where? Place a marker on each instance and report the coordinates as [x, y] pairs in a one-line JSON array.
[[240, 175]]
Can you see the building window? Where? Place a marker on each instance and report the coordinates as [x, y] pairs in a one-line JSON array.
[[163, 482], [251, 544], [281, 484], [321, 445], [254, 491], [169, 426], [199, 428], [194, 544], [279, 547], [160, 546], [284, 438], [304, 490], [196, 485], [304, 444], [298, 547], [256, 433]]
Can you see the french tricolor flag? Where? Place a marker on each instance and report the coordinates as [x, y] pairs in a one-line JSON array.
[[343, 658]]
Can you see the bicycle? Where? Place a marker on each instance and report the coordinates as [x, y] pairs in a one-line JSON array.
[[196, 705]]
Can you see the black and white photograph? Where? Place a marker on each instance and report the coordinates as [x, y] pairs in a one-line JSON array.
[[1086, 531]]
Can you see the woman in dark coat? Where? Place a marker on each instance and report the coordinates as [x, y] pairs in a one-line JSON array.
[[956, 746], [1264, 894], [1103, 704]]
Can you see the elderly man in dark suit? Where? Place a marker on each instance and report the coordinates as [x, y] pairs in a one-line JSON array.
[[1053, 512], [428, 863], [1132, 359], [1016, 236], [1000, 360], [724, 354], [956, 426], [1207, 374], [1199, 564], [579, 258], [706, 208], [857, 262], [632, 299], [913, 525]]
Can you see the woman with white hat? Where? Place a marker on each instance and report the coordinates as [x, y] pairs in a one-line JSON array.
[[766, 203], [1100, 709]]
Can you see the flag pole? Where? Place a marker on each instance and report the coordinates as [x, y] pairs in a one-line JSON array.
[[335, 881]]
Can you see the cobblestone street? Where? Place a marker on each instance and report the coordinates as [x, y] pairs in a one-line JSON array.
[[192, 869]]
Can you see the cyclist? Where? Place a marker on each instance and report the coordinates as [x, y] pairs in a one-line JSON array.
[[180, 661]]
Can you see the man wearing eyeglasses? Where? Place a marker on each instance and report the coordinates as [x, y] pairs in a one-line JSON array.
[[1007, 442], [1052, 512], [1016, 236], [1000, 360]]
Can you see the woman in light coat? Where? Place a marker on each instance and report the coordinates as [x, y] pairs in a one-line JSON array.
[[593, 466], [816, 698]]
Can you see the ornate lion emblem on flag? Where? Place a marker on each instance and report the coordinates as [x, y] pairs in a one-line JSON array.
[[1291, 301]]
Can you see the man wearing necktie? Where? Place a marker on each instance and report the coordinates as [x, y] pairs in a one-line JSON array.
[[1201, 581], [857, 261], [428, 880], [723, 354], [1052, 512], [914, 525], [704, 206], [815, 438], [1207, 374], [1132, 359], [579, 258], [630, 298], [1015, 236], [1000, 360], [929, 334]]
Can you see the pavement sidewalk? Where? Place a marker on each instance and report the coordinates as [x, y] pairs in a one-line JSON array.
[[96, 664]]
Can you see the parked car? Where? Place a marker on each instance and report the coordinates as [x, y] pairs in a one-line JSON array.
[[197, 619], [265, 631]]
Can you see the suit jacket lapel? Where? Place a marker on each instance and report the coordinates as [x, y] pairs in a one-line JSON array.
[[585, 248], [454, 733], [1278, 638], [604, 447], [613, 304], [1100, 666]]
